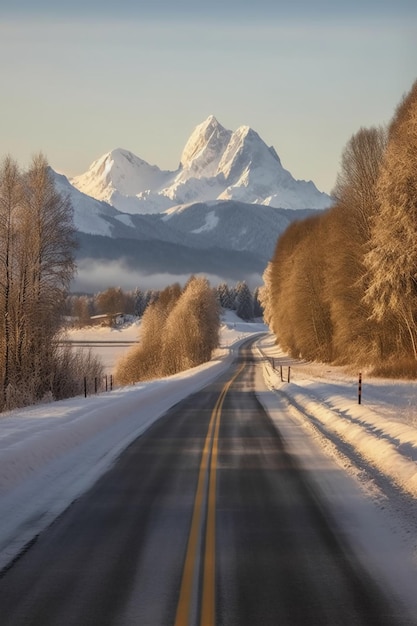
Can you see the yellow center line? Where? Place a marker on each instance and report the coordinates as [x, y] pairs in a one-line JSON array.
[[189, 573]]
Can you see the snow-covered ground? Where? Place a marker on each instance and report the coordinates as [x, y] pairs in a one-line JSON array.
[[362, 457], [51, 453]]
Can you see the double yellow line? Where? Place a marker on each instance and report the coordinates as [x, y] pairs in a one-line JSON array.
[[190, 574]]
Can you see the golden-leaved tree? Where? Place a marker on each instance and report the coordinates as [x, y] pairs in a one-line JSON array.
[[392, 259], [179, 331]]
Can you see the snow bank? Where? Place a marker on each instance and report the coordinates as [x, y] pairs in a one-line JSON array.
[[51, 453], [379, 431]]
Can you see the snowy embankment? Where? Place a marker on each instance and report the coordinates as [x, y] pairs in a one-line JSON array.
[[381, 432], [51, 453], [367, 474]]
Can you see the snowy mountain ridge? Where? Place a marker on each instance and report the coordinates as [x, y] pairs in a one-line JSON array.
[[225, 238], [216, 164]]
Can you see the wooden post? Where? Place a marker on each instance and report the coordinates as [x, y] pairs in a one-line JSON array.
[[289, 373], [85, 386], [106, 381], [360, 389], [111, 382], [95, 384], [280, 371]]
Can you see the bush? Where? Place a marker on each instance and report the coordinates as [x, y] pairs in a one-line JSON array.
[[405, 367]]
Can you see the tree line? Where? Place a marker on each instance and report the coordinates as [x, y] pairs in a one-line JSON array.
[[341, 286], [179, 330], [36, 266], [81, 307]]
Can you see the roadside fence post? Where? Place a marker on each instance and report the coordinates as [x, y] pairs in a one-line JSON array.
[[95, 384], [111, 382], [360, 389], [289, 373], [106, 381], [85, 386], [280, 371]]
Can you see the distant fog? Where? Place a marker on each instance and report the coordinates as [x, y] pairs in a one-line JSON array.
[[94, 276]]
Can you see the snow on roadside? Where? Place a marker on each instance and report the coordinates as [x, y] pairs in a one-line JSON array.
[[380, 432], [51, 453], [374, 444]]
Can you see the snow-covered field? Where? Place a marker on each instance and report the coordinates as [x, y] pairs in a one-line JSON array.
[[362, 457]]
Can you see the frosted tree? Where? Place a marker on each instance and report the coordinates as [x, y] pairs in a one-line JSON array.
[[139, 302], [265, 295], [36, 266], [224, 296], [244, 301], [10, 201], [192, 330], [45, 242], [355, 337], [392, 259], [146, 361], [257, 306]]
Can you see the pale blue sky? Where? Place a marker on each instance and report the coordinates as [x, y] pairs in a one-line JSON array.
[[82, 78]]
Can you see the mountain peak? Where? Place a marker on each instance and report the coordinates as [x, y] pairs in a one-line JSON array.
[[121, 172], [205, 146], [216, 164]]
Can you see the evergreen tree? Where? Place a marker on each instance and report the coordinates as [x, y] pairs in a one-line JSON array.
[[244, 301], [224, 296], [139, 302], [257, 306]]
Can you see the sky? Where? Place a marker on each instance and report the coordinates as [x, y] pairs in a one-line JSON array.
[[82, 78]]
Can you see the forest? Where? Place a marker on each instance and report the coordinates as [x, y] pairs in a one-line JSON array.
[[341, 286]]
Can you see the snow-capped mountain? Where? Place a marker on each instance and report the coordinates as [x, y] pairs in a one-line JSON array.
[[119, 178], [220, 224], [222, 238], [216, 164]]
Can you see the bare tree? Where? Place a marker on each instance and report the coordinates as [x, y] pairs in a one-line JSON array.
[[10, 200], [36, 266], [192, 330], [179, 331], [355, 337], [46, 234], [265, 295], [146, 361], [392, 259]]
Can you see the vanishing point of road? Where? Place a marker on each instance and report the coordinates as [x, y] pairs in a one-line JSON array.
[[204, 520]]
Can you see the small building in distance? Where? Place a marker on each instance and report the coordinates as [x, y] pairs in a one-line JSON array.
[[107, 319]]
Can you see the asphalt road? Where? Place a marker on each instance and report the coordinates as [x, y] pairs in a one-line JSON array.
[[204, 520]]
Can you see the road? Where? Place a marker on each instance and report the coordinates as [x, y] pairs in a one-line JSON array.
[[204, 520]]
